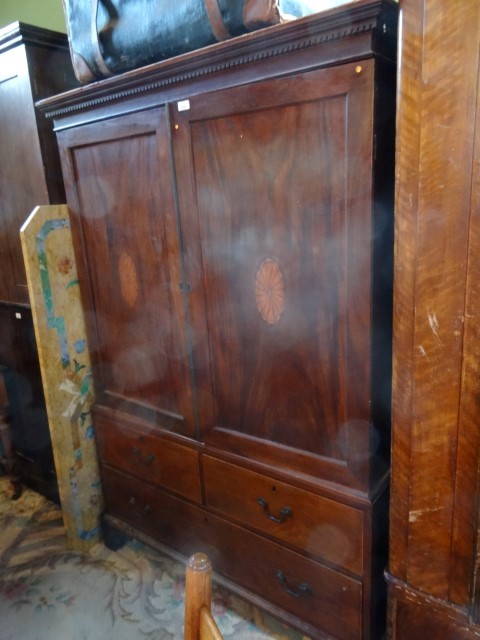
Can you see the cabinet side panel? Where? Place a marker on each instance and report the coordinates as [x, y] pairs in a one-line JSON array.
[[22, 180], [435, 148]]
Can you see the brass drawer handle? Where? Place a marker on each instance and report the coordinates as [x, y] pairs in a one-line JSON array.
[[303, 589], [285, 513], [140, 512], [142, 459]]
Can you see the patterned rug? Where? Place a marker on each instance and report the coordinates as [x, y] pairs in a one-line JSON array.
[[50, 593]]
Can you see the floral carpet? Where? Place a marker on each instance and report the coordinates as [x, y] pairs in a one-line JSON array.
[[48, 592]]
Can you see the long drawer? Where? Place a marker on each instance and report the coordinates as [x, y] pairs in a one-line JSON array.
[[318, 526], [322, 597], [132, 448]]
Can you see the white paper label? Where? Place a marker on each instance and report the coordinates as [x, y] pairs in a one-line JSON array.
[[183, 105]]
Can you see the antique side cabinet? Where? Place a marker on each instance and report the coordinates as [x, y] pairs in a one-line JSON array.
[[34, 63], [434, 559], [232, 217]]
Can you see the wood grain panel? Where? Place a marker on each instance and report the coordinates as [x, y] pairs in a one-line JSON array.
[[301, 381], [414, 614], [406, 206], [444, 204], [22, 179], [465, 564], [277, 381], [435, 133], [122, 189], [35, 63]]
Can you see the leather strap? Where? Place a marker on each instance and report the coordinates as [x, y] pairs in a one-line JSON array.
[[219, 29], [94, 41], [261, 14]]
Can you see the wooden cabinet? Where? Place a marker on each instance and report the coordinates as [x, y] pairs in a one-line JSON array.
[[34, 63], [434, 545], [232, 219]]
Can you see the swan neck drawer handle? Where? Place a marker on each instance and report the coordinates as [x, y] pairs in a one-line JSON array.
[[303, 589], [141, 458], [285, 513]]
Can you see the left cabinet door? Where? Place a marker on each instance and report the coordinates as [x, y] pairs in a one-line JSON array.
[[119, 187]]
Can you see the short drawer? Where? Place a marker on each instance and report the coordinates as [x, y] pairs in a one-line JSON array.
[[321, 601], [318, 526], [160, 515], [147, 455]]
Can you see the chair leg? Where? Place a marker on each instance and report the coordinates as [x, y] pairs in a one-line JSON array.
[[198, 593]]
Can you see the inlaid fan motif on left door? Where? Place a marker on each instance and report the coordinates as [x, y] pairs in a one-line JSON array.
[[127, 273]]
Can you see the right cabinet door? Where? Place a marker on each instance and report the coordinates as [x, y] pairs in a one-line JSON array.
[[275, 193]]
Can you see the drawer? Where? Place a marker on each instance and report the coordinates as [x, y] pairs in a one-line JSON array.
[[322, 597], [320, 527], [160, 515], [147, 455], [298, 590]]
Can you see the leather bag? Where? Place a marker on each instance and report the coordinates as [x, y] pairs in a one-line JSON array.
[[111, 36]]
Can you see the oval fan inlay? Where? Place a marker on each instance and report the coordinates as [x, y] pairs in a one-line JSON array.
[[128, 279], [270, 291]]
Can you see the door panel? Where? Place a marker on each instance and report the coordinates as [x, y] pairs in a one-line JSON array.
[[281, 171], [124, 207]]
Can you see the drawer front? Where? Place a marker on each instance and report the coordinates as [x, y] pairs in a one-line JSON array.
[[148, 456], [301, 589], [158, 514], [322, 597], [321, 527]]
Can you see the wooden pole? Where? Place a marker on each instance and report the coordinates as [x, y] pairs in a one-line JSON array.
[[198, 594]]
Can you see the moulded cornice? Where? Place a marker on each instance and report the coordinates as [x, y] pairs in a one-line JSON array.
[[346, 22], [18, 33]]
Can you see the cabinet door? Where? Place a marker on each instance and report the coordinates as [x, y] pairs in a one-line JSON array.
[[22, 180], [278, 256], [119, 184]]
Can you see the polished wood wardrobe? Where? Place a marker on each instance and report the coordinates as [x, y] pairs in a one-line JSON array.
[[34, 63], [232, 214]]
